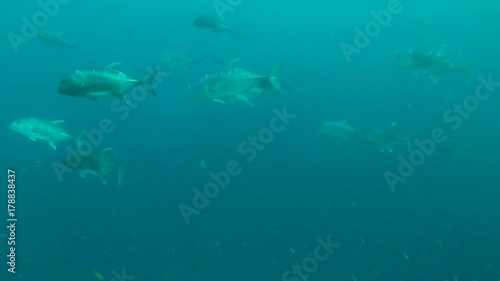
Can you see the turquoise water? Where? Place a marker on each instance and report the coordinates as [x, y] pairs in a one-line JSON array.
[[236, 192]]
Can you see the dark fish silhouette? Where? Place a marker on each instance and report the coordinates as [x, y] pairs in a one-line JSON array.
[[211, 23]]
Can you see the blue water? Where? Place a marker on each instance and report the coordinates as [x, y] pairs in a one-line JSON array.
[[300, 188]]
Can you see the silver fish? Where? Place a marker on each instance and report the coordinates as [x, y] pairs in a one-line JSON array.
[[434, 63], [387, 137], [179, 60], [96, 82], [55, 39], [39, 129], [337, 129], [236, 84]]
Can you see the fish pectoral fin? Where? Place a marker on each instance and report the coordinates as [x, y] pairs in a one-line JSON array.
[[219, 101], [53, 145], [242, 98], [58, 121], [121, 173], [33, 139]]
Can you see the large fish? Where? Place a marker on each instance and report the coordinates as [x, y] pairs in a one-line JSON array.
[[55, 39], [211, 23], [337, 129], [39, 129], [236, 84], [387, 137], [99, 163], [107, 81], [434, 63], [179, 60]]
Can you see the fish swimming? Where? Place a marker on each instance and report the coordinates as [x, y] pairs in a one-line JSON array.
[[39, 129], [211, 23], [434, 63], [236, 84], [337, 129], [55, 39], [107, 81], [386, 137], [99, 163], [178, 60]]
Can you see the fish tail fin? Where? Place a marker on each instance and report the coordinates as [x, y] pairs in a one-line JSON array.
[[273, 77], [121, 173], [148, 82]]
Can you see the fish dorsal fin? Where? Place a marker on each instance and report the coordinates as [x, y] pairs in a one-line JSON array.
[[114, 65], [233, 63], [58, 121], [440, 50]]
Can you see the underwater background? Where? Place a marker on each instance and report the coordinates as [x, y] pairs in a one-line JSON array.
[[300, 189]]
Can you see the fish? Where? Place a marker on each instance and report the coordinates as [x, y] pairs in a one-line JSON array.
[[179, 60], [386, 137], [211, 23], [106, 81], [337, 129], [99, 163], [40, 129], [237, 84], [433, 63], [55, 39]]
